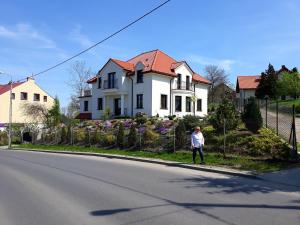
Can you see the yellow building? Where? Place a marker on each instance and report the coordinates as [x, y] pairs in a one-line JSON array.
[[22, 94]]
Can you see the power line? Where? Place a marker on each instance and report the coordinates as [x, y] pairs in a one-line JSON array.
[[103, 40]]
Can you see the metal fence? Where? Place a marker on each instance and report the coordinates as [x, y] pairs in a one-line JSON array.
[[280, 118]]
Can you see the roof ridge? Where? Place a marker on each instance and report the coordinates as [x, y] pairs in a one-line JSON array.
[[142, 54]]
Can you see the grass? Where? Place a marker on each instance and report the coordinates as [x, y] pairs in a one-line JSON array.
[[289, 102], [213, 159]]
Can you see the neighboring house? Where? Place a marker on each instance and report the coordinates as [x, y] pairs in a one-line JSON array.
[[220, 91], [22, 93], [246, 86], [152, 83]]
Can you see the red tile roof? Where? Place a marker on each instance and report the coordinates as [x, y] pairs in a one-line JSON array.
[[247, 82], [154, 61], [6, 87], [84, 116]]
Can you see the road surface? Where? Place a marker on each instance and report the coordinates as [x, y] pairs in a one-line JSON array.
[[52, 189]]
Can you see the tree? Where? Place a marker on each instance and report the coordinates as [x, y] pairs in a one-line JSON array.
[[216, 76], [180, 134], [54, 116], [80, 73], [289, 84], [268, 85], [36, 112], [132, 136], [121, 136], [252, 116]]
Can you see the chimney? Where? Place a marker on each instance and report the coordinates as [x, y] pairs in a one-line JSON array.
[[30, 79]]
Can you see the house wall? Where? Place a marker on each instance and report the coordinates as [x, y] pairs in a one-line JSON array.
[[201, 92], [18, 105]]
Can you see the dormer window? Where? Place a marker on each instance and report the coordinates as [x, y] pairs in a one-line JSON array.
[[139, 76]]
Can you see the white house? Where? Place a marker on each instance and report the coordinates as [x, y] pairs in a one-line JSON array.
[[151, 82]]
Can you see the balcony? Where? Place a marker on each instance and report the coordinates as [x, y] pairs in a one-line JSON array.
[[110, 85], [184, 86], [86, 93]]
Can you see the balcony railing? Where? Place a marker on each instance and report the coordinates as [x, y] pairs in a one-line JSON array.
[[111, 85], [184, 86], [86, 93]]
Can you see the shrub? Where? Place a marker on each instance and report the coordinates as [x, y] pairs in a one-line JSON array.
[[3, 138], [225, 110], [297, 108], [63, 137], [191, 122], [69, 134], [252, 116], [95, 137], [140, 118], [121, 136], [180, 134], [79, 136], [149, 136], [171, 117], [132, 137], [109, 140], [268, 143]]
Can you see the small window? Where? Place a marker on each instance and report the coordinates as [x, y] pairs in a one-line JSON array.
[[163, 101], [24, 96], [13, 95], [45, 98], [99, 82], [86, 106], [199, 104], [188, 104], [139, 76], [36, 97], [178, 103], [139, 101], [100, 104]]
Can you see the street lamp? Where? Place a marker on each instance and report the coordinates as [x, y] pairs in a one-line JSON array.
[[10, 109]]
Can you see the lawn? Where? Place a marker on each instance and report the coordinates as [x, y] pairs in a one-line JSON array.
[[289, 102], [213, 159]]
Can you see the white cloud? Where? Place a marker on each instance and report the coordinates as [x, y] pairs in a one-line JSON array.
[[82, 39], [226, 64], [24, 32]]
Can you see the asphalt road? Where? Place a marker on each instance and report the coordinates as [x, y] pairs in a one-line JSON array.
[[52, 189]]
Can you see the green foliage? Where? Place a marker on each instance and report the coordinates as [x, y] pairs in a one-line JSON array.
[[121, 136], [107, 113], [191, 122], [171, 117], [140, 118], [79, 136], [297, 108], [226, 110], [268, 84], [95, 137], [109, 140], [54, 116], [180, 134], [3, 138], [132, 136], [252, 116], [268, 143], [63, 135], [149, 136], [69, 134], [289, 84]]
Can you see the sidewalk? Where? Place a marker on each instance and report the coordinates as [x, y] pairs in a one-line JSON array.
[[206, 168]]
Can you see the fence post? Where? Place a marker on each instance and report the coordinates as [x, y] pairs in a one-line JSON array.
[[277, 117], [224, 136]]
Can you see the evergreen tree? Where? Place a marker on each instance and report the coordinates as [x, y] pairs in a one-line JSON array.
[[121, 136], [54, 116], [252, 116], [268, 84], [132, 137], [180, 134]]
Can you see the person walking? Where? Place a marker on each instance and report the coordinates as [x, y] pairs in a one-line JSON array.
[[197, 140]]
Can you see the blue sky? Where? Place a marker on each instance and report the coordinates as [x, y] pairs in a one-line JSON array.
[[240, 36]]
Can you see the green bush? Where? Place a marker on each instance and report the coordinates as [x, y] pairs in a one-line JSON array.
[[180, 134], [149, 136], [268, 143], [109, 140], [190, 122], [95, 137], [79, 136], [132, 136], [252, 116], [63, 137], [121, 136], [141, 119], [297, 108], [226, 110], [3, 138]]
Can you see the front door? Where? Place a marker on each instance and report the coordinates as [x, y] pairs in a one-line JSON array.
[[117, 106]]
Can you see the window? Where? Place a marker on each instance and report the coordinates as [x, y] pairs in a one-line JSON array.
[[100, 104], [13, 95], [86, 105], [99, 82], [179, 81], [24, 96], [111, 80], [45, 98], [188, 84], [178, 103], [199, 104], [139, 101], [188, 104], [163, 101], [139, 76], [36, 97]]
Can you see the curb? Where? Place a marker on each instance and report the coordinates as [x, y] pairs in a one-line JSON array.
[[220, 170]]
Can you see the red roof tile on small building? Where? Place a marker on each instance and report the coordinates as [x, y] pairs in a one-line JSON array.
[[6, 87], [247, 82]]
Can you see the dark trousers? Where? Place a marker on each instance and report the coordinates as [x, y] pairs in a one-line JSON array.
[[200, 150]]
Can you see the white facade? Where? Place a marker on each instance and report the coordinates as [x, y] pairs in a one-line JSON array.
[[121, 97]]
